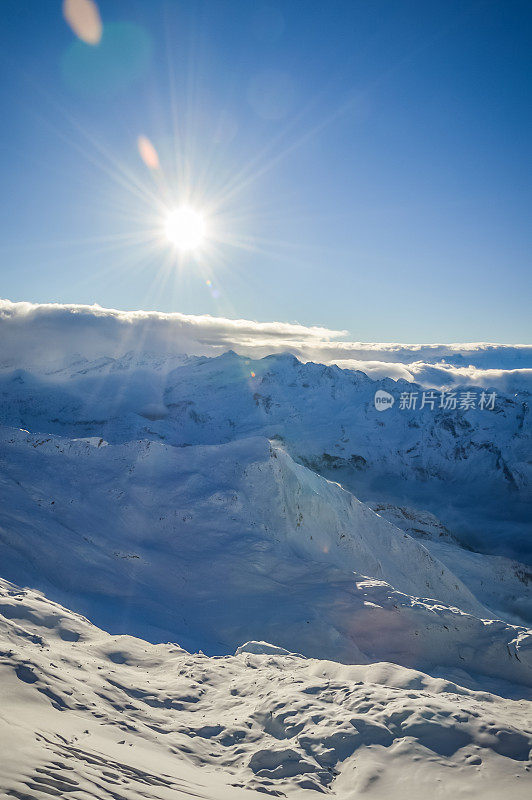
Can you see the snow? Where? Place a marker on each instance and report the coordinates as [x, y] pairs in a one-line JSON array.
[[293, 591], [470, 468], [87, 714], [501, 583], [264, 649], [199, 544]]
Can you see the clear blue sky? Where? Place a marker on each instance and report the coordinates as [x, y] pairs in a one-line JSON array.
[[371, 161]]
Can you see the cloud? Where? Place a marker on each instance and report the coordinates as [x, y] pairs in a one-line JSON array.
[[438, 376], [47, 336], [33, 334], [505, 380], [376, 369]]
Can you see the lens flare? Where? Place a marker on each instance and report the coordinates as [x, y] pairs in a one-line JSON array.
[[148, 153], [84, 19]]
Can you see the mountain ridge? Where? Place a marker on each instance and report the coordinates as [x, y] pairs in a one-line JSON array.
[[200, 543], [324, 416]]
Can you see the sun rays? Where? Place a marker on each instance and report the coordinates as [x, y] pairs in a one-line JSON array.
[[177, 206]]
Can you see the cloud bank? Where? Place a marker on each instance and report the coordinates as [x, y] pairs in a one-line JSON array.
[[47, 336]]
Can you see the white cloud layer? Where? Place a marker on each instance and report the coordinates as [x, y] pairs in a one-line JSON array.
[[46, 336]]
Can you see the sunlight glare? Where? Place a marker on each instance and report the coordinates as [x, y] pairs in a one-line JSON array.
[[185, 228]]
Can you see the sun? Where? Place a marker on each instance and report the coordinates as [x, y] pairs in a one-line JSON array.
[[185, 228]]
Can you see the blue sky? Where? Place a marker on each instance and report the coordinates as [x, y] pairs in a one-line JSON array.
[[366, 164]]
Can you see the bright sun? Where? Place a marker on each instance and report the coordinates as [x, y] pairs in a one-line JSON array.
[[185, 228]]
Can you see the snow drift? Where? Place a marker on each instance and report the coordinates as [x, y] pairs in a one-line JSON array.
[[87, 714]]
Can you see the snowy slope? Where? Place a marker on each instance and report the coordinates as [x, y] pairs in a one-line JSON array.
[[86, 714], [215, 545], [471, 468], [501, 583]]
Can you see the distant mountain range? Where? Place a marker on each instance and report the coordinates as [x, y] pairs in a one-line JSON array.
[[471, 467]]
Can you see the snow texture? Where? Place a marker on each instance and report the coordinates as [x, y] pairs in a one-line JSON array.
[[89, 715]]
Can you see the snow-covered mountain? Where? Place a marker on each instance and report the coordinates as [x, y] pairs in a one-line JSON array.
[[471, 468], [199, 544], [264, 507], [87, 714], [503, 583]]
